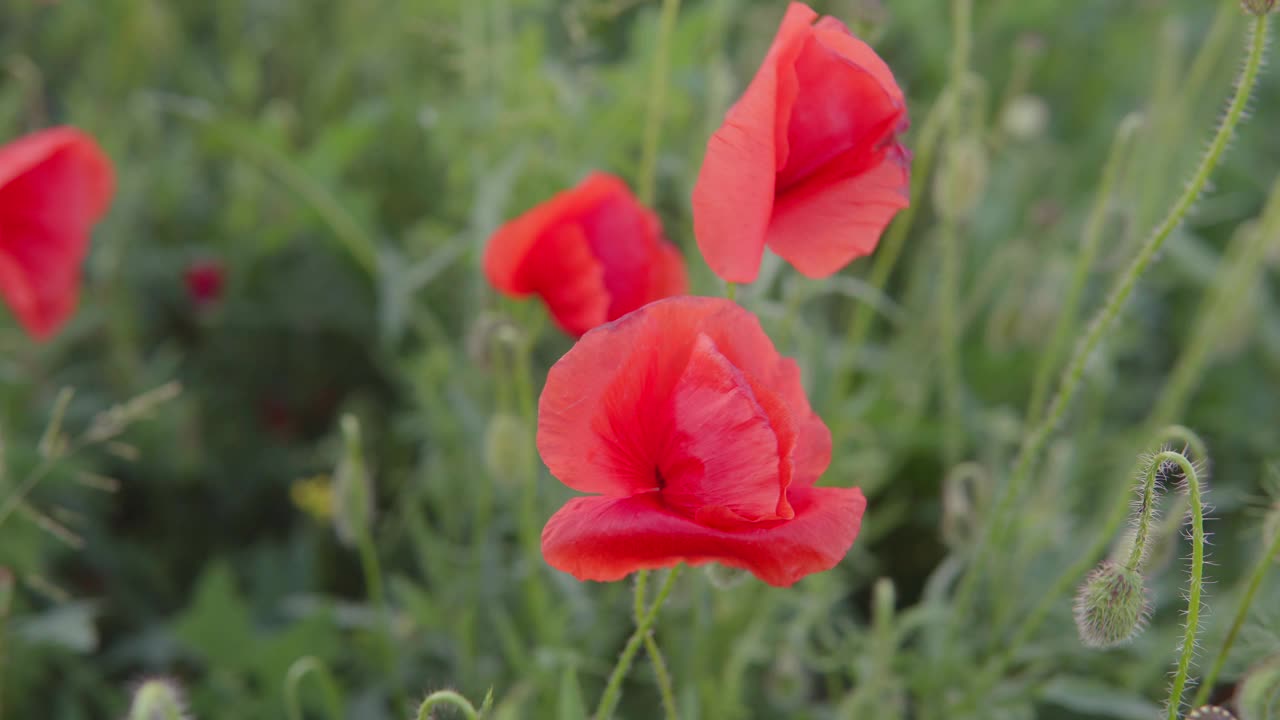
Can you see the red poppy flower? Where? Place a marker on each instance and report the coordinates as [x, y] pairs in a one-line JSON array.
[[54, 185], [699, 444], [593, 254], [807, 161], [204, 281]]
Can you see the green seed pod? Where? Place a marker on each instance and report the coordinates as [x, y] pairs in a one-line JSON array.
[[724, 577], [352, 496], [157, 699], [1259, 695], [507, 448], [1111, 606]]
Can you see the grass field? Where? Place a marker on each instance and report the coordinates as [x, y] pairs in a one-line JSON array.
[[991, 375]]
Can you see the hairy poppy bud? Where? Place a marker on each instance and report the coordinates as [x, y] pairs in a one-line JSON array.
[[508, 447], [1111, 607], [1210, 712], [1259, 694], [353, 506], [157, 699], [961, 178], [1025, 117], [1258, 7]]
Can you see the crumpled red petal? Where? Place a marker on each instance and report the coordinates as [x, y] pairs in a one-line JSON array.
[[819, 228], [605, 539]]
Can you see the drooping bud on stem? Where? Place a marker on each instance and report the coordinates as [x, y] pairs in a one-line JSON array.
[[1258, 7]]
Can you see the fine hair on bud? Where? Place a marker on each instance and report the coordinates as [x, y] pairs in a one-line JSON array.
[[1258, 7], [1111, 606]]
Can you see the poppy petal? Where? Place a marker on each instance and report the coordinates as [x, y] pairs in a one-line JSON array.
[[605, 539], [573, 287], [733, 197], [723, 451], [54, 185], [820, 227]]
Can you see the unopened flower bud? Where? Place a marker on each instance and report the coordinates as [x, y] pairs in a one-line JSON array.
[[1258, 7], [1259, 694], [724, 577], [961, 178], [508, 448], [353, 503], [1111, 606], [1210, 712], [1025, 117], [157, 699]]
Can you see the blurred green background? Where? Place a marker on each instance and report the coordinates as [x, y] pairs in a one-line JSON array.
[[344, 161]]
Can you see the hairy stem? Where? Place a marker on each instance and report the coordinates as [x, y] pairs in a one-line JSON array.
[[613, 690], [372, 569], [1197, 575], [999, 523], [447, 697], [1242, 611]]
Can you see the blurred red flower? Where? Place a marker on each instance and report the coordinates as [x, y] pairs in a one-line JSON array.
[[204, 280], [807, 161], [699, 444], [593, 254], [54, 185]]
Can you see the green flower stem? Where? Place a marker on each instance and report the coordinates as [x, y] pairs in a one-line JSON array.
[[613, 690], [731, 291], [1242, 611], [1091, 242], [328, 687], [1197, 574], [372, 569], [999, 523], [663, 676], [657, 102], [530, 513], [447, 697]]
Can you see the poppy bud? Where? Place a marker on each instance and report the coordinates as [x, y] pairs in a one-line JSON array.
[[724, 577], [1258, 7], [157, 699], [487, 334], [961, 178], [1025, 117], [353, 507], [508, 447], [1210, 712], [1111, 606], [1259, 694]]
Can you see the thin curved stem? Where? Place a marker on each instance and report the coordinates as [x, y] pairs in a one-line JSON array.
[[1197, 575], [328, 687], [1242, 612], [663, 676], [657, 102], [447, 697], [1090, 243], [999, 523], [613, 690]]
